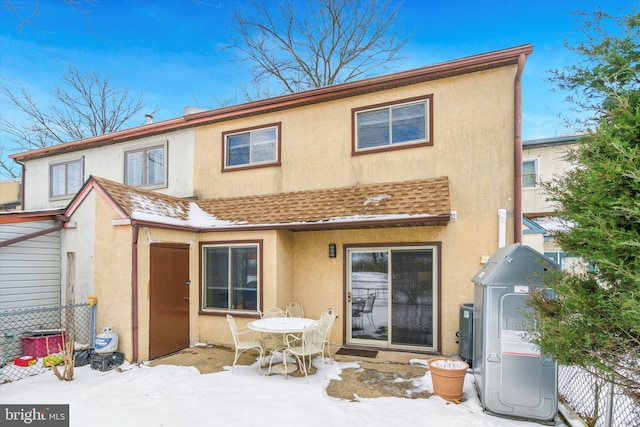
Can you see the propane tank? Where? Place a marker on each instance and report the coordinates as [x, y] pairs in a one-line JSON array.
[[107, 341]]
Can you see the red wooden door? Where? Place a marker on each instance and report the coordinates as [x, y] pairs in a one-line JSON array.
[[169, 299]]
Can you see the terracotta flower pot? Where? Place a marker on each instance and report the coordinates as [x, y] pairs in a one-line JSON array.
[[448, 377]]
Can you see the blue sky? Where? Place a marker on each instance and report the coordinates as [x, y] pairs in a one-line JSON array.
[[173, 51]]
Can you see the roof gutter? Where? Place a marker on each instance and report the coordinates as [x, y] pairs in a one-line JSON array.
[[456, 67], [431, 220], [517, 156]]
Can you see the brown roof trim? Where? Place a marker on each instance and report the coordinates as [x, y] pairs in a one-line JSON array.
[[485, 61], [436, 220], [152, 224], [534, 215], [439, 220], [31, 216], [59, 226]]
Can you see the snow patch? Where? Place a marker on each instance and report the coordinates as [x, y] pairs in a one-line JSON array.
[[375, 200]]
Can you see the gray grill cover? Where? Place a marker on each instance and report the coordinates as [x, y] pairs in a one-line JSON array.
[[515, 264]]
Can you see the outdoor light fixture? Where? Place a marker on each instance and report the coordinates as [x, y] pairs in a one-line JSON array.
[[332, 250]]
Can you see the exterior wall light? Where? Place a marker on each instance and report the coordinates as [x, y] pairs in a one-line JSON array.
[[332, 250]]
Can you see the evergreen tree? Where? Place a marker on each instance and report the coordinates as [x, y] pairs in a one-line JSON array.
[[594, 321]]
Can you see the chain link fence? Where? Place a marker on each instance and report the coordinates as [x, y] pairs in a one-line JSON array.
[[28, 335], [597, 401]]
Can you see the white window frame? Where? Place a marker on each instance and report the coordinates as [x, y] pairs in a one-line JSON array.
[[144, 150], [536, 174], [252, 144], [69, 190], [206, 286], [427, 101]]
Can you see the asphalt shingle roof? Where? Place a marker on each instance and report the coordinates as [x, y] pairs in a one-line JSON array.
[[416, 202]]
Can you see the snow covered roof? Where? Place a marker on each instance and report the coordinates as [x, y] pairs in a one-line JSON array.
[[552, 224], [407, 203]]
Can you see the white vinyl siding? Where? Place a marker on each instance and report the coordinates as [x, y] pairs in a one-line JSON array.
[[30, 268]]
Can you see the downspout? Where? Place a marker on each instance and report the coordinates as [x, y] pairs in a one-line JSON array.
[[134, 291], [517, 157], [22, 206]]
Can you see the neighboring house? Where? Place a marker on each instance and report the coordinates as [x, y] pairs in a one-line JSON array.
[[139, 156], [9, 195], [543, 160], [30, 260], [388, 186]]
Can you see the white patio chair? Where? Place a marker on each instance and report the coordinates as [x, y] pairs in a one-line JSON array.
[[242, 344], [328, 316], [367, 311], [295, 309], [276, 339], [273, 312], [357, 306], [309, 344]]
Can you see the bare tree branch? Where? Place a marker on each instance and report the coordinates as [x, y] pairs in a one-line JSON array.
[[86, 105], [317, 43]]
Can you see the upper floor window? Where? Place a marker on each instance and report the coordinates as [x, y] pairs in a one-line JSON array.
[[252, 147], [146, 167], [230, 277], [65, 178], [406, 123], [530, 174]]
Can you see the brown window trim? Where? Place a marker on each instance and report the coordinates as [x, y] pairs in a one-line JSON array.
[[260, 287], [401, 146], [225, 168]]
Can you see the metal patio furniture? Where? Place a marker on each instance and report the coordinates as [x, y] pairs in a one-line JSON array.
[[278, 328], [242, 344], [329, 316], [273, 312], [309, 344], [295, 309], [367, 311], [357, 306]]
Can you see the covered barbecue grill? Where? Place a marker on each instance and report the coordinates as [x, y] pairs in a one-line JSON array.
[[512, 377]]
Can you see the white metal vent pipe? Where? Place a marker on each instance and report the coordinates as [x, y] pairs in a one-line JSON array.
[[502, 228]]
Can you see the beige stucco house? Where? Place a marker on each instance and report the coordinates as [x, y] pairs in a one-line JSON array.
[[388, 188], [9, 195]]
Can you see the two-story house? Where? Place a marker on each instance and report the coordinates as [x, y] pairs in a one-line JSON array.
[[387, 187], [543, 160]]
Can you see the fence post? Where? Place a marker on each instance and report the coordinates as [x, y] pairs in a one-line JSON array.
[[93, 304], [608, 422]]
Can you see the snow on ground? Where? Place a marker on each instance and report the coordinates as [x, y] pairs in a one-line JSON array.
[[176, 396]]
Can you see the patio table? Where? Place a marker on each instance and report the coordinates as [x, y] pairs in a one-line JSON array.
[[280, 326]]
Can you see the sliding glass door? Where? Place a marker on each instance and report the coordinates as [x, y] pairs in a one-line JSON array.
[[392, 296]]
